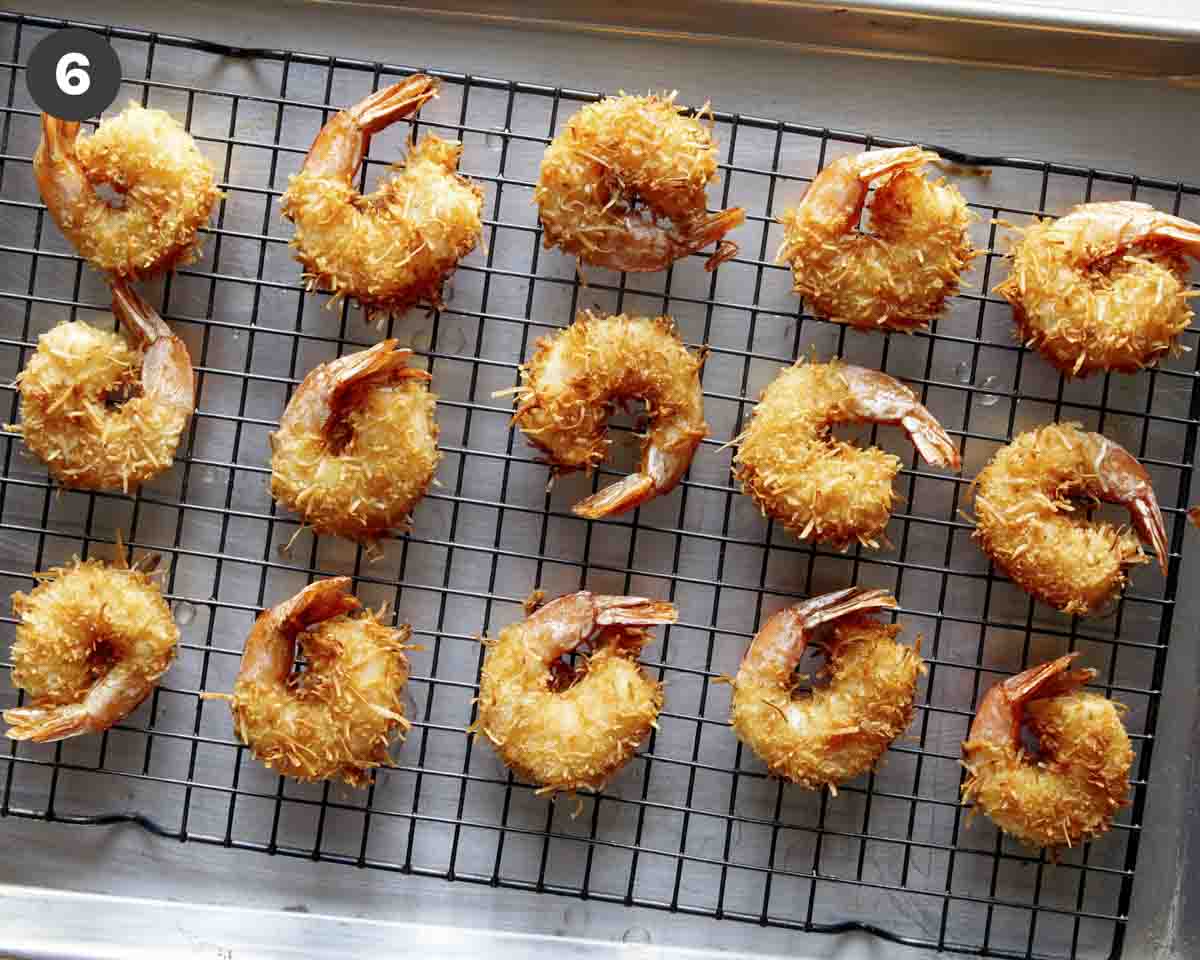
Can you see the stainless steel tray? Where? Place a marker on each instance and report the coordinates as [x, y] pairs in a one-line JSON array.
[[693, 825]]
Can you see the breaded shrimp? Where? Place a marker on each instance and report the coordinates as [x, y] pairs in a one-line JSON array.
[[1079, 779], [167, 189], [838, 730], [565, 729], [898, 276], [92, 642], [79, 372], [395, 247], [338, 718], [357, 445], [1103, 288], [817, 486], [575, 379], [1026, 523], [617, 171]]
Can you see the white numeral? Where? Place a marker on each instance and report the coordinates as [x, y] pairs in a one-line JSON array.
[[70, 75]]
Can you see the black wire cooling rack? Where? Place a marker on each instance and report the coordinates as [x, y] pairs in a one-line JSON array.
[[693, 824]]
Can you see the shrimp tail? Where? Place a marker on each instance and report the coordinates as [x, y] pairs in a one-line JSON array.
[[1001, 712], [135, 314], [271, 647], [632, 611], [931, 439], [1148, 520], [316, 603], [360, 371], [167, 373], [60, 177], [628, 492], [393, 103], [833, 606], [1047, 680], [1183, 232], [877, 163], [712, 229], [47, 724], [58, 138]]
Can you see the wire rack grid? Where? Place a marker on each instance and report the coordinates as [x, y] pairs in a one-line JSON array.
[[693, 824]]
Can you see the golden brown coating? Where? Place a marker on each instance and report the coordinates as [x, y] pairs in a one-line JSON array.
[[839, 729], [71, 383], [167, 189], [565, 729], [620, 168], [898, 276], [92, 642], [820, 487], [337, 719], [1073, 787], [1025, 521], [1103, 288], [395, 247], [577, 377], [356, 448]]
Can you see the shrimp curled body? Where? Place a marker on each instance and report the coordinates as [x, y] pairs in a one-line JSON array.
[[898, 276], [395, 247], [1026, 523], [339, 717], [621, 152], [576, 377], [356, 447], [167, 186], [820, 487], [1103, 288], [1068, 792], [75, 375], [571, 730], [93, 641], [838, 730]]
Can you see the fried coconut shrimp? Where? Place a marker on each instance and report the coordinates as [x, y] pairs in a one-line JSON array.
[[838, 730], [338, 718], [167, 189], [1079, 778], [1103, 288], [565, 729], [898, 276], [623, 186], [1026, 523], [106, 412], [817, 486], [92, 642], [357, 445], [395, 247], [575, 379]]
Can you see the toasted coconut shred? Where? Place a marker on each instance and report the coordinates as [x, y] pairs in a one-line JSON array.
[[67, 417], [356, 448], [92, 642], [1103, 288], [1078, 780], [1027, 523], [838, 730], [168, 190]]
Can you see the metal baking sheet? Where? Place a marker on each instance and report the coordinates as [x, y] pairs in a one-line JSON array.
[[693, 824]]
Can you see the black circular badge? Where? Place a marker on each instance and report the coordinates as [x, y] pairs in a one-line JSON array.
[[73, 74]]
